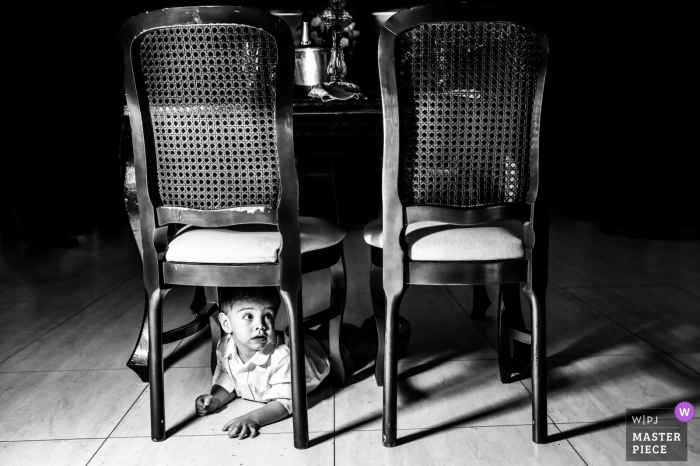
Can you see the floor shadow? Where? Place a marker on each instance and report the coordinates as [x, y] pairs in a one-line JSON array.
[[616, 420], [575, 432], [323, 391], [359, 376], [510, 405], [369, 370], [186, 422], [425, 366], [187, 347], [331, 435], [407, 392], [577, 348], [410, 394]]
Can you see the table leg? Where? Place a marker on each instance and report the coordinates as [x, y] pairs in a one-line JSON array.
[[138, 362]]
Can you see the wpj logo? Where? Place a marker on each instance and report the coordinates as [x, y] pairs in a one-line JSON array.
[[658, 434]]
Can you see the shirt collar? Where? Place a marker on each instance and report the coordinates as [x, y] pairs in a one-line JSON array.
[[228, 350]]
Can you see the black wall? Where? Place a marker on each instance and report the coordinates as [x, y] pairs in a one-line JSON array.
[[619, 123]]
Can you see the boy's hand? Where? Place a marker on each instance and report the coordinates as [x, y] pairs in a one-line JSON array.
[[205, 404], [242, 427]]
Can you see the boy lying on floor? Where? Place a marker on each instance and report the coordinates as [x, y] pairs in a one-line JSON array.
[[254, 362]]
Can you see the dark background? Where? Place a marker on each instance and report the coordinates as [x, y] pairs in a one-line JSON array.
[[619, 120]]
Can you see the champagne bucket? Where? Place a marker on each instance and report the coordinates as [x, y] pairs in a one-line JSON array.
[[311, 66]]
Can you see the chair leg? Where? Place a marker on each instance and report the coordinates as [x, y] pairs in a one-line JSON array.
[[521, 350], [215, 332], [376, 286], [338, 292], [539, 370], [138, 361], [480, 302], [211, 295], [505, 367], [513, 355], [155, 360], [292, 298], [391, 368], [199, 299]]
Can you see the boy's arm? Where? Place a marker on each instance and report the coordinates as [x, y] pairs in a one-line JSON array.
[[249, 424], [223, 396], [218, 397]]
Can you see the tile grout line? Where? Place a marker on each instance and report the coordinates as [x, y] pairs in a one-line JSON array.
[[52, 439], [591, 356], [117, 424], [589, 306], [598, 422], [673, 285], [682, 363], [597, 312], [593, 308], [473, 426], [126, 413], [569, 442], [638, 285], [472, 322], [556, 427], [600, 313], [68, 370], [662, 280], [69, 318], [334, 426], [669, 285], [110, 291], [199, 435], [638, 271], [670, 355], [660, 285]]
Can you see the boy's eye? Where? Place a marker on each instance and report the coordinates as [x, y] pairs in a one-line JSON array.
[[247, 316], [269, 316]]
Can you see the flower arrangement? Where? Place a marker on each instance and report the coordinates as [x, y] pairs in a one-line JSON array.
[[320, 37]]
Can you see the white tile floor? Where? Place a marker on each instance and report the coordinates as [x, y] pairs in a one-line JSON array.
[[623, 332]]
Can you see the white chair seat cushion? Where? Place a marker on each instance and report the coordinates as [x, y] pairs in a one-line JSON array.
[[247, 244], [434, 241]]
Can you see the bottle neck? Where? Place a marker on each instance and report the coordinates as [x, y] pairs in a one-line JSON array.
[[305, 34]]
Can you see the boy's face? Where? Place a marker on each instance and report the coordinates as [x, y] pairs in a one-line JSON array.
[[251, 323]]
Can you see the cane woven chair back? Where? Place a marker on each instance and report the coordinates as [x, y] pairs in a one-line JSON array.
[[466, 93], [211, 95], [462, 92]]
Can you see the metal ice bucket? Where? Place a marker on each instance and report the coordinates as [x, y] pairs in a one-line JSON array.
[[310, 66]]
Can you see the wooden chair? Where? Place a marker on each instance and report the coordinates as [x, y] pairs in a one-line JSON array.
[[461, 91], [209, 92]]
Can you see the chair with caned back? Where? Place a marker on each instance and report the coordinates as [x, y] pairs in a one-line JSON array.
[[461, 90], [209, 92]]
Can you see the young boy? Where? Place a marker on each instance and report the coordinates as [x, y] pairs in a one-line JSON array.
[[254, 362]]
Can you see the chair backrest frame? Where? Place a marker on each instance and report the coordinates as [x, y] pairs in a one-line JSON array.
[[393, 223], [395, 214], [155, 217]]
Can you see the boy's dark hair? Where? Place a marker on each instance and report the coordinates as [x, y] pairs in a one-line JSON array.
[[230, 296]]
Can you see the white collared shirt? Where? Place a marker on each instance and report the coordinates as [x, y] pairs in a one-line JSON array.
[[267, 376]]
